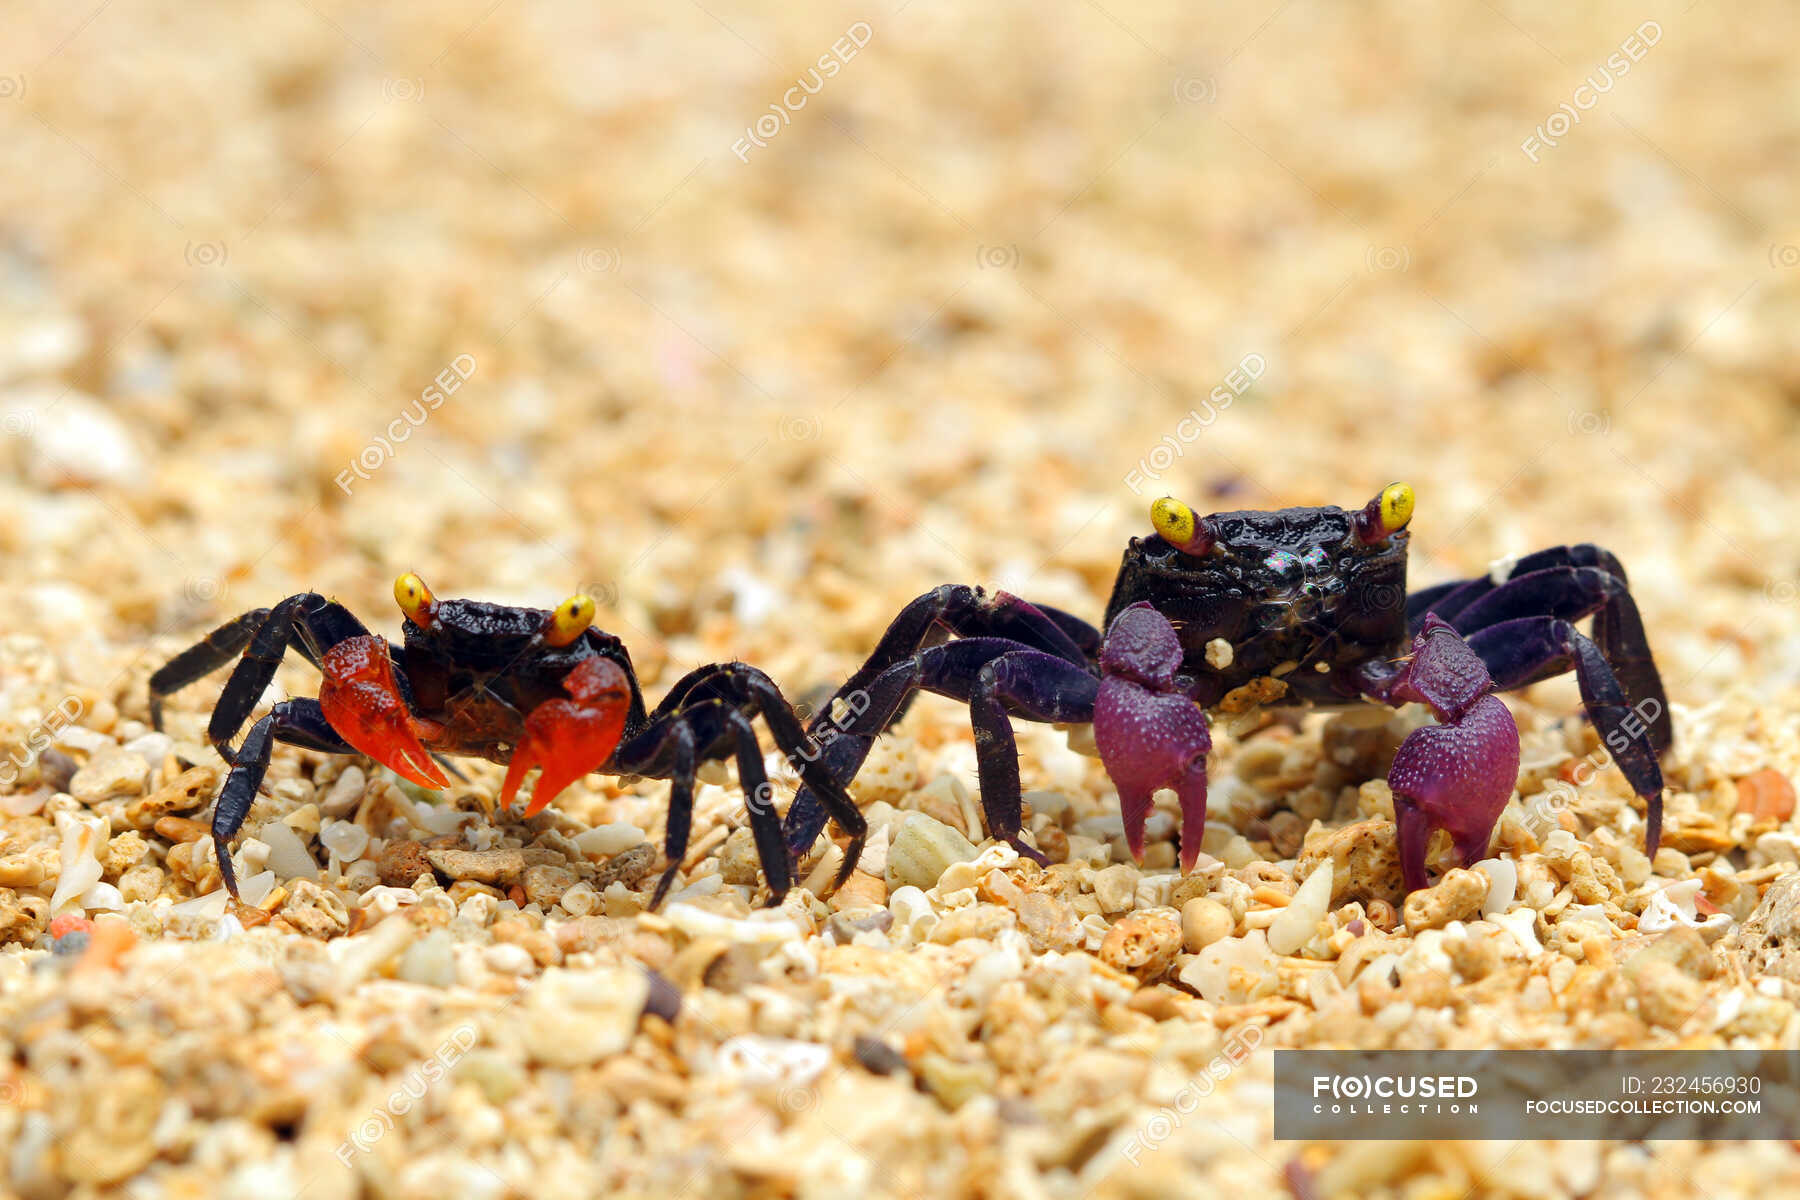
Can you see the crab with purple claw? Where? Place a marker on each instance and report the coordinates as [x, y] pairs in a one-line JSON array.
[[1297, 606]]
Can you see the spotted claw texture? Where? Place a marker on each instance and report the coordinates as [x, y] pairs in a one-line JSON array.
[[1149, 732], [1456, 775]]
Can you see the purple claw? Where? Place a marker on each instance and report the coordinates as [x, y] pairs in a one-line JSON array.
[[1457, 775], [1150, 733]]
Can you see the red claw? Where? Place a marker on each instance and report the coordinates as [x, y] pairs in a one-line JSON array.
[[362, 702], [569, 738]]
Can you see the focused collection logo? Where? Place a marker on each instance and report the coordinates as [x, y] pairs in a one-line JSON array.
[[1395, 1095]]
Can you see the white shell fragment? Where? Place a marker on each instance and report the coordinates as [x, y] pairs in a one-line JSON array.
[[922, 850], [604, 841], [288, 856], [82, 838], [1296, 923], [1503, 884]]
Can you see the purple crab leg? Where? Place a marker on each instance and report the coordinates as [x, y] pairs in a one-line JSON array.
[[1150, 733], [1457, 775]]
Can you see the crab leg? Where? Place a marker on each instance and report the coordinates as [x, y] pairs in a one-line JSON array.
[[296, 722], [878, 693], [363, 703], [998, 679], [1566, 582], [1457, 775], [569, 738], [1530, 648], [1037, 687]]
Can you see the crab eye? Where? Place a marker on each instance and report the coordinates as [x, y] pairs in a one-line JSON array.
[[1177, 525], [570, 620], [414, 599], [1386, 514]]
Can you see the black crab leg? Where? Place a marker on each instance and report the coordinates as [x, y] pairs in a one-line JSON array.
[[998, 678], [759, 801], [296, 722], [666, 750], [1037, 687], [308, 623], [953, 609], [203, 658], [721, 700], [970, 612], [1525, 649], [1570, 583]]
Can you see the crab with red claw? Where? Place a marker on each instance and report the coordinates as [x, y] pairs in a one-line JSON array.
[[520, 686], [1298, 606]]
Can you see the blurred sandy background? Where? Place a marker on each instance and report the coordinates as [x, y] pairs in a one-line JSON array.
[[923, 334], [935, 329]]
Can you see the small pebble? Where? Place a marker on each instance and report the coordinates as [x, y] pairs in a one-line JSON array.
[[345, 839], [402, 862], [1768, 795], [73, 942], [604, 841], [1115, 888], [346, 792], [429, 961], [1204, 922], [501, 867], [1143, 944], [108, 775], [923, 850], [1458, 896]]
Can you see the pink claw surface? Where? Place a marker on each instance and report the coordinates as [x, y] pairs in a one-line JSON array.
[[1456, 775], [1150, 733]]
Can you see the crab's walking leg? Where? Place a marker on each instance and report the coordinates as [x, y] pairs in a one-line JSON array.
[[1150, 734], [1570, 583], [668, 749], [1531, 648], [996, 677], [1456, 775], [702, 724], [953, 609], [569, 738], [296, 722], [307, 623], [1037, 687], [708, 712], [203, 658], [970, 612]]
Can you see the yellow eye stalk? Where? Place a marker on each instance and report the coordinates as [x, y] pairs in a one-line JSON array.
[[1178, 525], [570, 620], [1385, 515], [414, 599]]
